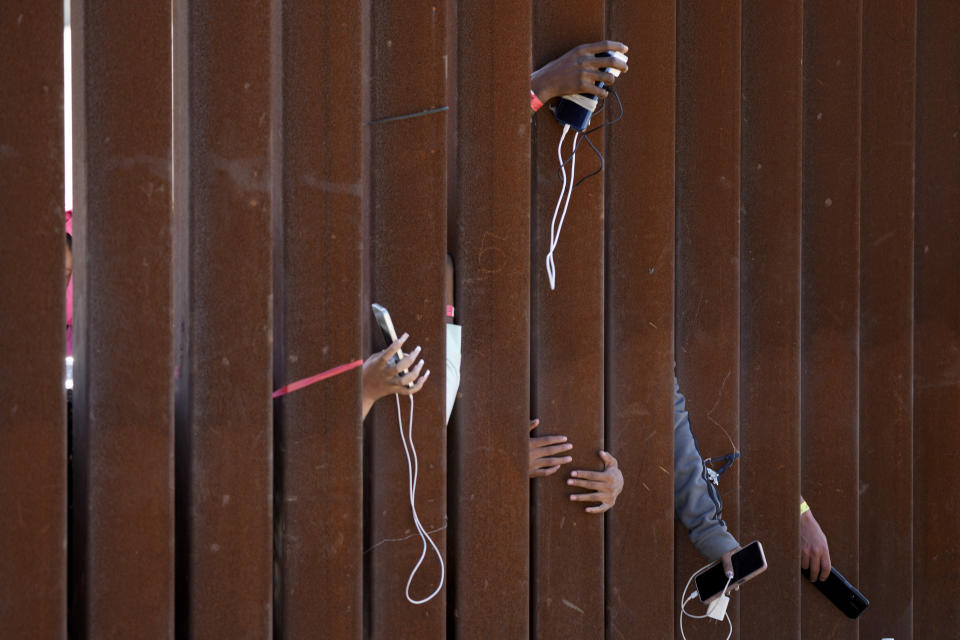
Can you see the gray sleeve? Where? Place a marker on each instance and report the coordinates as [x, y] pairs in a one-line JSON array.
[[696, 499]]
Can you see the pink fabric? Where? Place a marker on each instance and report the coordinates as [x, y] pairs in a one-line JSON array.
[[69, 229]]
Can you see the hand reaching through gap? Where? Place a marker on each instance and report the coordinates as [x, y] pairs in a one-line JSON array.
[[578, 71], [382, 378], [604, 486], [814, 552], [545, 458]]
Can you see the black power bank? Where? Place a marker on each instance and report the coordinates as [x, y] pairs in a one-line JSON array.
[[841, 593]]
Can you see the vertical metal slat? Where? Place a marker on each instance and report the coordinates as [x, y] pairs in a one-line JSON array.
[[770, 250], [886, 316], [123, 330], [489, 492], [567, 361], [33, 483], [224, 279], [639, 321]]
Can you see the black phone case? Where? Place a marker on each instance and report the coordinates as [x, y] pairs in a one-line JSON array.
[[841, 593]]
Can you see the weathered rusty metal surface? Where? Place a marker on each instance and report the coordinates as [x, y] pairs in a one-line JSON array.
[[936, 407], [123, 326], [488, 436], [822, 314], [639, 322], [886, 316], [567, 355], [831, 296], [319, 233], [708, 250], [224, 462], [770, 243], [33, 483], [407, 133]]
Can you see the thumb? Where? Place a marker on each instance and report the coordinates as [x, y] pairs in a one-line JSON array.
[[608, 460], [534, 423], [727, 564]]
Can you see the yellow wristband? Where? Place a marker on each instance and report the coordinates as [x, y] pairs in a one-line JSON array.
[[804, 507]]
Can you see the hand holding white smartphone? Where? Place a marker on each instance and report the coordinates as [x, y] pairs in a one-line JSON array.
[[389, 333]]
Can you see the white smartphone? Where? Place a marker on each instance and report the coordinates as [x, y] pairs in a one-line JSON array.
[[389, 333]]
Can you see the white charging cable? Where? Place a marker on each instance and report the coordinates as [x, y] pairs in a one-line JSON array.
[[683, 606], [554, 227], [412, 472]]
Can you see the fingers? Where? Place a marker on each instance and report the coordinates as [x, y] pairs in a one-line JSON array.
[[599, 476], [595, 496], [554, 461], [815, 565], [606, 502], [593, 485], [539, 442], [393, 349], [599, 508], [407, 361], [608, 460], [544, 450], [541, 473], [589, 86], [589, 78], [805, 559], [409, 391], [410, 376], [550, 461], [825, 565], [603, 45], [593, 62], [727, 565], [534, 423]]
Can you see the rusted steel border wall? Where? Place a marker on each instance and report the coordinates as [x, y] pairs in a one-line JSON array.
[[33, 434], [782, 237]]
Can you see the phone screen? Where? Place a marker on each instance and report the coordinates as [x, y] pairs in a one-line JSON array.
[[745, 562]]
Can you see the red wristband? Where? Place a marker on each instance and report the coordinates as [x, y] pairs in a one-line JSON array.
[[535, 102]]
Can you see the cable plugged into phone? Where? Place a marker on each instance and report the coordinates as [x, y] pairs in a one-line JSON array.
[[716, 609], [713, 583]]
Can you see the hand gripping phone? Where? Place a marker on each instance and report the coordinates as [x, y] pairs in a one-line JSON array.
[[748, 562], [389, 334], [576, 109], [844, 595]]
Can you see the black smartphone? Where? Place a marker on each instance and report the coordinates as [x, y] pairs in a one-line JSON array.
[[747, 563], [840, 592], [389, 333]]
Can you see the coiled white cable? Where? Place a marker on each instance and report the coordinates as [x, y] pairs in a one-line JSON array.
[[554, 227], [412, 473], [684, 601]]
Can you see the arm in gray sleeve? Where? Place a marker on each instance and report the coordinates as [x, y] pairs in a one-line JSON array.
[[696, 499]]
